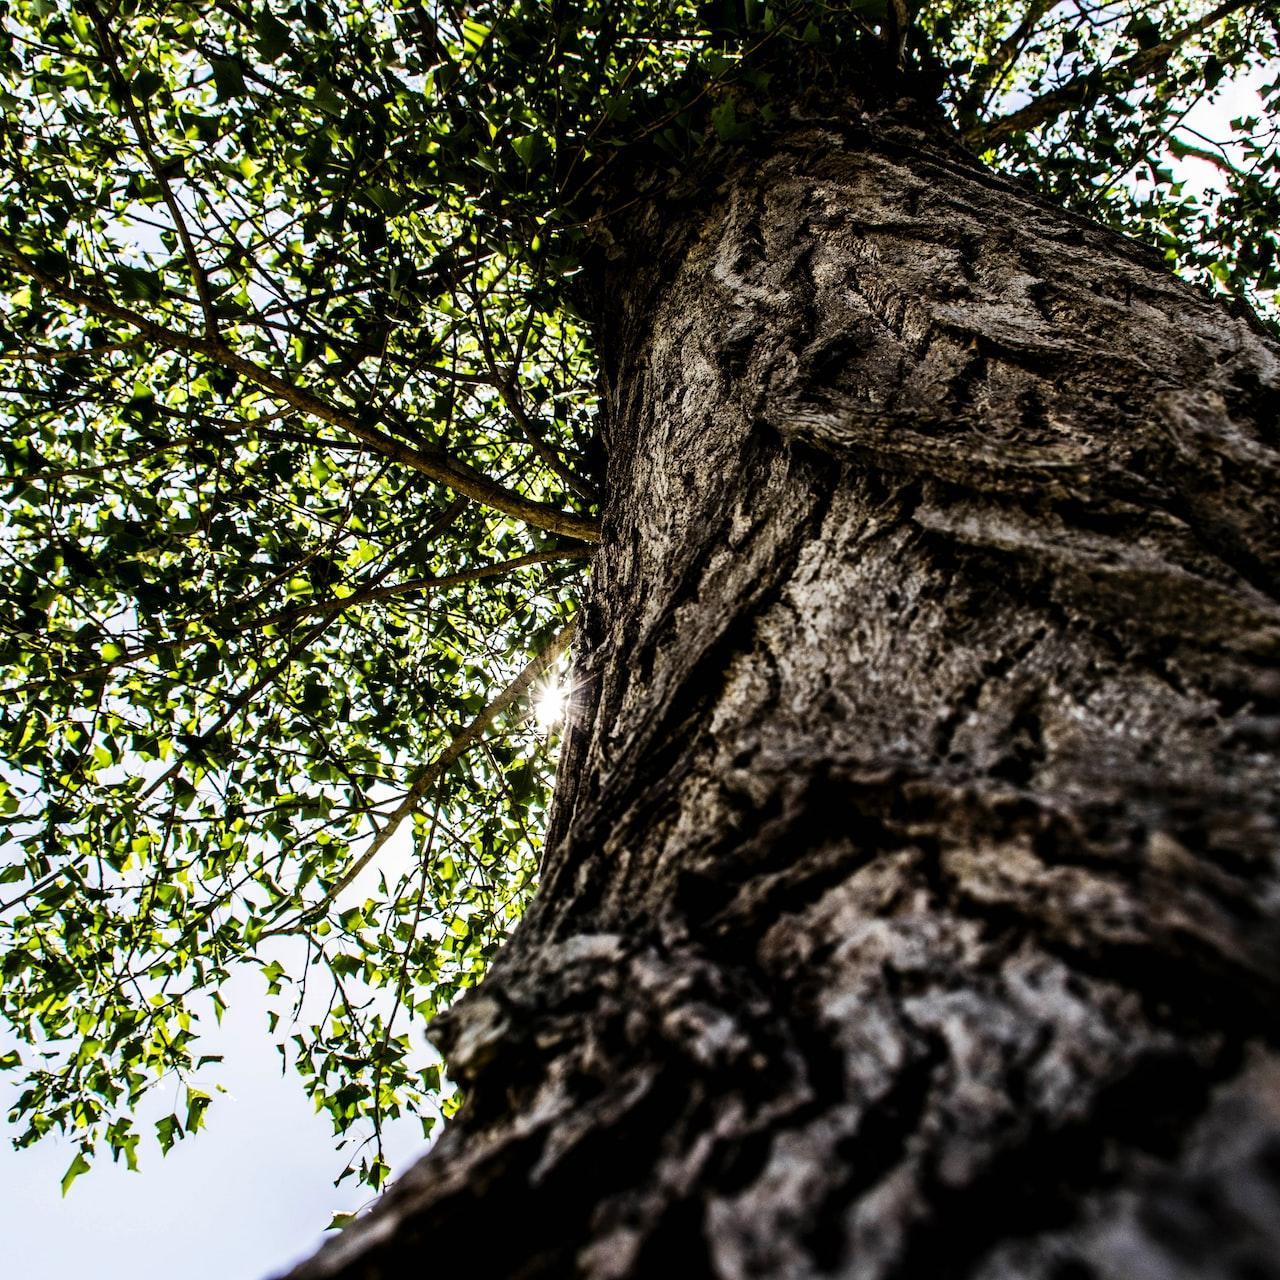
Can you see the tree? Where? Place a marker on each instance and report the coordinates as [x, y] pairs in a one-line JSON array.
[[906, 908]]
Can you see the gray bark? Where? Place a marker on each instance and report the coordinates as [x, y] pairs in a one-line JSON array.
[[912, 904]]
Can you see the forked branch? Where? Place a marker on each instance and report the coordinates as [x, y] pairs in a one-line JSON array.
[[434, 463]]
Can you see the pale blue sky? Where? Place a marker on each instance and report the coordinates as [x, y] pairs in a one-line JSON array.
[[240, 1200]]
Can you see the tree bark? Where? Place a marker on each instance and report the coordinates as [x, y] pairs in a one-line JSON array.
[[911, 907]]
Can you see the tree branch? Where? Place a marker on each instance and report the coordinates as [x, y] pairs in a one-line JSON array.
[[143, 134], [413, 585], [1186, 151], [993, 71], [50, 355], [326, 609], [433, 463], [1084, 88]]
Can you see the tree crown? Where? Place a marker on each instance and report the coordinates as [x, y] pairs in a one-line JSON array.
[[301, 470]]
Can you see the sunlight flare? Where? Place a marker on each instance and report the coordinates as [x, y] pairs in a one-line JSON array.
[[550, 704]]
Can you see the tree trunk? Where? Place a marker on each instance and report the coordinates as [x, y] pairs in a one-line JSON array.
[[912, 903]]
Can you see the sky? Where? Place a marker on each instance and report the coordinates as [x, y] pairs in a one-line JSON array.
[[253, 1191], [240, 1200]]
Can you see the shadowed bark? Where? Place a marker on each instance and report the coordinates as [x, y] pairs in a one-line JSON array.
[[911, 903]]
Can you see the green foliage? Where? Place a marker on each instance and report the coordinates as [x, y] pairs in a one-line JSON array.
[[1096, 104], [299, 468]]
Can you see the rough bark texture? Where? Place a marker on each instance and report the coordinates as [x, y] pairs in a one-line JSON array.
[[912, 908]]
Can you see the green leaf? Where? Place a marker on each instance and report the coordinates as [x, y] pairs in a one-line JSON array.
[[139, 285], [78, 1166], [474, 34], [383, 198], [728, 127], [168, 1131], [144, 85], [273, 973], [530, 147], [274, 38], [1142, 29], [228, 78], [197, 1104]]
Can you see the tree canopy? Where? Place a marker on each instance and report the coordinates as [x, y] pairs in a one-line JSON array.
[[300, 473]]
